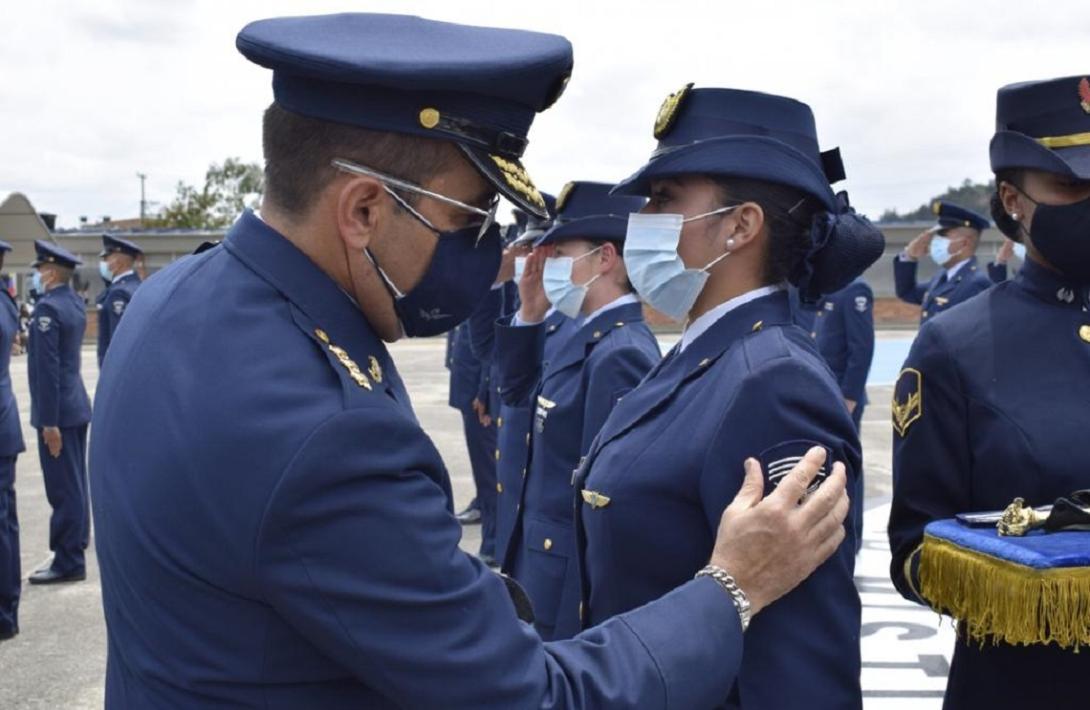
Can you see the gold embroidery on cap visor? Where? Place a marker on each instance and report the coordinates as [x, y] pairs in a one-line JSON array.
[[1073, 140], [517, 179], [907, 400], [669, 109]]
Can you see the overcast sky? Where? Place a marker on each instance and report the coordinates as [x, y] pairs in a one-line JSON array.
[[94, 92]]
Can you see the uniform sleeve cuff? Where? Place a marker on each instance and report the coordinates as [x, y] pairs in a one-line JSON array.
[[689, 631]]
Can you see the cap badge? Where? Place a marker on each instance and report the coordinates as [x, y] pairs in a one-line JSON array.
[[563, 198], [669, 109], [1084, 94], [429, 118]]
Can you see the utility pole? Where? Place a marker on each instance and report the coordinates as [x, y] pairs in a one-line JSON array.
[[143, 202]]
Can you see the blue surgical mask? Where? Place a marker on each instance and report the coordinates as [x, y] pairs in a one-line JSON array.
[[1020, 251], [564, 295], [656, 269], [940, 249], [104, 271], [36, 282]]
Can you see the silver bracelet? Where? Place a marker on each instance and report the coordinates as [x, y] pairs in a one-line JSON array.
[[724, 580]]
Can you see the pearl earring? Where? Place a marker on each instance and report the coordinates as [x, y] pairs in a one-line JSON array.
[[730, 244], [1014, 216]]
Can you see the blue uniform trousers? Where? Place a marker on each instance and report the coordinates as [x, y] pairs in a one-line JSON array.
[[10, 571], [481, 444], [66, 490]]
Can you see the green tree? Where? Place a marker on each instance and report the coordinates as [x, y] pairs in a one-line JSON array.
[[228, 189], [975, 196]]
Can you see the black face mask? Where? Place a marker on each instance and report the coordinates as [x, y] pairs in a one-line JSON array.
[[1061, 233], [462, 270]]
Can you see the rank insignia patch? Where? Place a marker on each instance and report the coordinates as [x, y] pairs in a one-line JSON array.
[[907, 400], [778, 461]]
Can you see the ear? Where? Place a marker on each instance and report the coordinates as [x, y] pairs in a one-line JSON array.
[[744, 225], [1012, 200], [361, 207], [610, 256]]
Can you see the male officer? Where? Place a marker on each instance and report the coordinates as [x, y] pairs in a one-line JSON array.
[[118, 257], [11, 445], [952, 245], [844, 334], [480, 335], [60, 409], [465, 382], [277, 530]]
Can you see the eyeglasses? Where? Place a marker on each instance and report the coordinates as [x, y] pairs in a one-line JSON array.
[[488, 215]]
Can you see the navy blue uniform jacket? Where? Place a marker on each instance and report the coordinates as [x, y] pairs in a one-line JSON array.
[[274, 527], [55, 337], [670, 459], [940, 294], [991, 405]]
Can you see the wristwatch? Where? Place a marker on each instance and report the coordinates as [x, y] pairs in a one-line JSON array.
[[724, 580]]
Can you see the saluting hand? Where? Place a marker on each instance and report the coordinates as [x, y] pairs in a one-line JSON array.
[[769, 546], [920, 245], [531, 290], [51, 435], [1006, 251], [507, 266]]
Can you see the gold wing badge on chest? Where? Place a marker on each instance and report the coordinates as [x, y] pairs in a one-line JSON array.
[[907, 400], [594, 499]]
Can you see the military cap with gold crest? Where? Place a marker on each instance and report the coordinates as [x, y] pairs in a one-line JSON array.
[[588, 210], [477, 87], [731, 132], [950, 215], [50, 253], [1044, 125]]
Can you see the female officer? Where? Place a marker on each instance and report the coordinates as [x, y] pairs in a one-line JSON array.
[[573, 392], [740, 205], [992, 402]]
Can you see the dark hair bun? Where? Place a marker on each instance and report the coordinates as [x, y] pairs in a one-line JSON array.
[[843, 245]]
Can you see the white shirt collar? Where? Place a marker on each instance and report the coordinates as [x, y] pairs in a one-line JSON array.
[[699, 326], [953, 270], [121, 276], [615, 303]]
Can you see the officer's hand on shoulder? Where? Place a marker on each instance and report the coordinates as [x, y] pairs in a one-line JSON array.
[[531, 288], [770, 545], [920, 244]]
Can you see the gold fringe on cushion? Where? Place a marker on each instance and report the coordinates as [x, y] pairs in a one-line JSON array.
[[1006, 602]]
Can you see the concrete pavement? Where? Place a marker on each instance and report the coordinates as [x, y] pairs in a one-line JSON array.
[[58, 661]]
